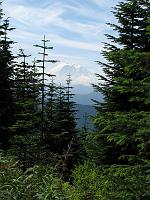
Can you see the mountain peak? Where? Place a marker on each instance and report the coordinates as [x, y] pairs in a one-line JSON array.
[[79, 74]]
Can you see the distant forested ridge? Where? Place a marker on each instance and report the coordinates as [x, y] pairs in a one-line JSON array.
[[43, 155]]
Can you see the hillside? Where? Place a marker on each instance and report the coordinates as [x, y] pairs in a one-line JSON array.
[[83, 110]]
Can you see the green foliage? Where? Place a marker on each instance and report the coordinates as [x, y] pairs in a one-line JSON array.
[[110, 183], [132, 16], [60, 137], [89, 182], [50, 188], [25, 134], [122, 135], [125, 136], [127, 64], [38, 182]]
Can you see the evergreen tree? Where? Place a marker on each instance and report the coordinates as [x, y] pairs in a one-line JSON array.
[[51, 124], [71, 146], [122, 120], [43, 74], [6, 83], [132, 17], [61, 126], [51, 100], [26, 110]]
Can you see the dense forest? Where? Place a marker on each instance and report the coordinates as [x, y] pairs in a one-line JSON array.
[[43, 154]]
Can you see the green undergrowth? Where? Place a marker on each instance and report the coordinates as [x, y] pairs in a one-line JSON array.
[[88, 182]]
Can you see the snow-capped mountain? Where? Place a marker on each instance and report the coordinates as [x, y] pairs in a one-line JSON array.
[[81, 82], [79, 74]]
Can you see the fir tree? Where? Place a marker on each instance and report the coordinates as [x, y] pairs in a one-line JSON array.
[[68, 141], [6, 83], [123, 131], [61, 137], [132, 17], [26, 110], [43, 74]]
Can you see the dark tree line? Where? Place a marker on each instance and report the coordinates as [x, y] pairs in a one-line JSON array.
[[37, 118]]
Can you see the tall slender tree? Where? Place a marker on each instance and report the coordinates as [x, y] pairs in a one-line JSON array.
[[6, 82], [43, 74], [26, 108], [67, 132]]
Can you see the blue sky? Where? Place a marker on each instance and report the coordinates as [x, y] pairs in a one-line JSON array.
[[75, 28]]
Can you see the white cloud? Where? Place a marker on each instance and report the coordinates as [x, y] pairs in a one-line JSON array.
[[70, 26], [53, 15], [28, 37], [74, 44], [32, 16], [41, 19]]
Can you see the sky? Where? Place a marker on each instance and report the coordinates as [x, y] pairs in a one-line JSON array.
[[75, 28]]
